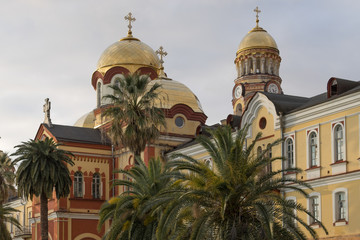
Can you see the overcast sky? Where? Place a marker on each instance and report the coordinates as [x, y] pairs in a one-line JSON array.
[[50, 49]]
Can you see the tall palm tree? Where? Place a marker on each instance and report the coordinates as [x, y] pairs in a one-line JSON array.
[[237, 200], [7, 176], [135, 118], [6, 217], [131, 213], [43, 169]]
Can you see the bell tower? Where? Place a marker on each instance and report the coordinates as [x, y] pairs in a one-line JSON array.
[[257, 63]]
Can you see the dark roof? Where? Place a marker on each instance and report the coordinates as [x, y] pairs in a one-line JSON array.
[[78, 134], [285, 103], [288, 103], [204, 131]]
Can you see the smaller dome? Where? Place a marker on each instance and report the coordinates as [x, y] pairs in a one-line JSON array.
[[257, 38], [86, 121], [128, 51], [174, 92]]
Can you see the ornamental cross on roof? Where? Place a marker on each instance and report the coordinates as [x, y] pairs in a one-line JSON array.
[[162, 54], [130, 19], [257, 10]]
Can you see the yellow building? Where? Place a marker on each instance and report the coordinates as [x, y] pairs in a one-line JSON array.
[[321, 135]]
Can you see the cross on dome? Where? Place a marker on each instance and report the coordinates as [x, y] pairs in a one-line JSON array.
[[257, 10], [130, 19], [162, 54]]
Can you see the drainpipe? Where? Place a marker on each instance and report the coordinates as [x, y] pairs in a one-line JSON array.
[[281, 119]]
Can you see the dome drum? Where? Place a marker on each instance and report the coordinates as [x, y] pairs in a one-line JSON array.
[[258, 64]]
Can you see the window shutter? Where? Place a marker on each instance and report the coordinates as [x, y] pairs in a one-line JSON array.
[[101, 189]]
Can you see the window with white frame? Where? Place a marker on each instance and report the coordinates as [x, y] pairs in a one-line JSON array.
[[208, 162], [292, 200], [96, 186], [289, 148], [313, 149], [314, 206], [339, 143], [78, 184], [340, 205]]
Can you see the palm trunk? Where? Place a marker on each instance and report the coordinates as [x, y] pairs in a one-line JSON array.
[[44, 216]]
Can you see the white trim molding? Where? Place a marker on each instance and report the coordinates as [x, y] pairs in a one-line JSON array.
[[258, 101]]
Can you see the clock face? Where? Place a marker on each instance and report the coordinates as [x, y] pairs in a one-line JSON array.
[[273, 88], [238, 91]]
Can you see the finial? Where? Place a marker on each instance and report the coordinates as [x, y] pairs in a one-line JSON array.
[[130, 19], [257, 15], [162, 54], [46, 110]]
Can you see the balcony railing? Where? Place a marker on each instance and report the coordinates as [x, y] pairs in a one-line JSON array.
[[23, 231]]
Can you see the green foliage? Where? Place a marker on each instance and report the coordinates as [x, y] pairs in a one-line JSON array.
[[6, 217], [133, 213], [133, 106], [238, 200], [43, 168], [7, 177]]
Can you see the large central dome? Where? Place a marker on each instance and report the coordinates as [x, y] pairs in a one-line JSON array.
[[128, 51], [257, 38]]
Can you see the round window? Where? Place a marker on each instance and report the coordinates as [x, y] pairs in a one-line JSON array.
[[179, 122], [262, 123]]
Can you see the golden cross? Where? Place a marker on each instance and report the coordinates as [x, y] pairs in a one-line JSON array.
[[130, 19], [257, 15], [162, 54]]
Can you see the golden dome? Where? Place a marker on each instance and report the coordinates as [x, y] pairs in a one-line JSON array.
[[86, 121], [128, 51], [257, 38], [174, 92]]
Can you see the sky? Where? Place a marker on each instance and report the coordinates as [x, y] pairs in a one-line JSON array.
[[50, 49]]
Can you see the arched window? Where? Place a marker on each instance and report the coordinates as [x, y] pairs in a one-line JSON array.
[[96, 186], [339, 142], [313, 149], [78, 184], [289, 148], [209, 163], [269, 155], [340, 205], [314, 209]]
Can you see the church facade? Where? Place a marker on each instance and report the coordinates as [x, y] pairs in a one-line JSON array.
[[321, 136]]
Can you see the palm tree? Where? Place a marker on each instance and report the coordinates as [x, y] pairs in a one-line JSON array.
[[135, 118], [43, 169], [131, 213], [238, 200], [7, 177], [6, 217]]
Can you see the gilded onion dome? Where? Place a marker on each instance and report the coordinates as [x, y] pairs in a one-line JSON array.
[[128, 51], [257, 63], [257, 38]]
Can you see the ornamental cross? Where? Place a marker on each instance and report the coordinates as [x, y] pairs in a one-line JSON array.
[[162, 54], [257, 15], [130, 19], [46, 110]]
